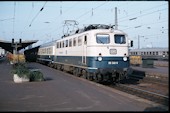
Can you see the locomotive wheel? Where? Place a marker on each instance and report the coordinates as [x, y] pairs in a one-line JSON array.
[[51, 65], [55, 66], [98, 78], [48, 64], [78, 72], [84, 74], [75, 72], [61, 68], [90, 76], [58, 67]]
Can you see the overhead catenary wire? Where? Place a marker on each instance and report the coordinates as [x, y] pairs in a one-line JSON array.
[[93, 13], [144, 25], [28, 17], [59, 16], [121, 19], [90, 10], [146, 14], [37, 14], [63, 13], [14, 19], [127, 16], [6, 19]]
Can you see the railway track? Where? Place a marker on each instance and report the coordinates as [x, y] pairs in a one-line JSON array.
[[152, 80], [151, 88], [135, 90], [158, 98]]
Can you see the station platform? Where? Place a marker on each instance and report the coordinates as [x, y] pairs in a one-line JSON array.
[[64, 92]]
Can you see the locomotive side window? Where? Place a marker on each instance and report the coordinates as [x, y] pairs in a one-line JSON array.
[[60, 44], [74, 42], [70, 42], [85, 39], [120, 39], [79, 41], [102, 39], [66, 43]]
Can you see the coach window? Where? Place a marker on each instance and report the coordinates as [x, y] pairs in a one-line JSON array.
[[157, 53], [153, 53], [79, 41], [74, 42], [50, 51], [46, 51], [43, 51]]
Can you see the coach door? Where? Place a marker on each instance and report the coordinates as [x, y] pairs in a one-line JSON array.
[[84, 49]]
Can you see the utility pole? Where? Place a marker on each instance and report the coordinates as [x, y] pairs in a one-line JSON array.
[[138, 42], [116, 23]]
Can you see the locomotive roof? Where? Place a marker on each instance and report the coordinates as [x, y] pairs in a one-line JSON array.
[[149, 49], [90, 27]]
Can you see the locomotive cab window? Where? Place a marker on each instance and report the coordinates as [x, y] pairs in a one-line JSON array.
[[120, 39], [102, 38]]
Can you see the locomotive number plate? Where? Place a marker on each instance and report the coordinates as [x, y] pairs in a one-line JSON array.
[[112, 62]]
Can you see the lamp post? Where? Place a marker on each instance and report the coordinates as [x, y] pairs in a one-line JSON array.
[[15, 46]]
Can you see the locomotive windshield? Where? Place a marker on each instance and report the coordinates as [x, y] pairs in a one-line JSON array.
[[103, 38], [120, 39]]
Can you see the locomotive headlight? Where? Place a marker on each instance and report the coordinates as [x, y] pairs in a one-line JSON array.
[[124, 58], [99, 58]]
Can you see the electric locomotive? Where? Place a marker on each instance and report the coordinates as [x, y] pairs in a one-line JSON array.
[[96, 52]]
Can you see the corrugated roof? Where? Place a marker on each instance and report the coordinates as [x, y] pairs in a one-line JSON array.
[[7, 45]]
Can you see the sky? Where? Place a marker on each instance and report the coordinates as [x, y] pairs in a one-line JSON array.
[[145, 22]]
